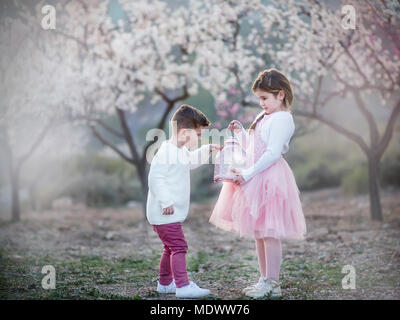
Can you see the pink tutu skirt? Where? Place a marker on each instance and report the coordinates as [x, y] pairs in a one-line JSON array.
[[268, 205]]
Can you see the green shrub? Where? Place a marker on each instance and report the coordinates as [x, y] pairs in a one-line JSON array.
[[91, 179], [390, 169], [320, 169], [99, 189], [102, 181], [323, 177], [356, 180]]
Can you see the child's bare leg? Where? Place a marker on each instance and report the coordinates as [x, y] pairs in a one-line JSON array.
[[274, 257], [260, 248]]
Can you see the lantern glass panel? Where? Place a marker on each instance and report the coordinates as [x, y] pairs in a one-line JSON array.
[[231, 156]]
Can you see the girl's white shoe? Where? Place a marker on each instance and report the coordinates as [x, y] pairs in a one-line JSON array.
[[254, 286], [265, 287], [276, 289], [171, 288]]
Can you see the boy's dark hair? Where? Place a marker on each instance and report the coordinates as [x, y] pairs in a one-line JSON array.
[[188, 117]]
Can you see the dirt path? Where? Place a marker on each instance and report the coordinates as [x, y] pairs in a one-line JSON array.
[[113, 254]]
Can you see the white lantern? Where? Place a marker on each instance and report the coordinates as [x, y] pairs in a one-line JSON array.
[[231, 156]]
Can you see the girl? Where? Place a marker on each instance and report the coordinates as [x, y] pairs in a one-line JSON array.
[[263, 201]]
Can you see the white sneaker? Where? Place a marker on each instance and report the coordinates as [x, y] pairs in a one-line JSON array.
[[261, 289], [191, 290], [252, 287], [276, 288], [166, 289]]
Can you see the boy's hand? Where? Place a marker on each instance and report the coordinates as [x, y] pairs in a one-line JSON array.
[[235, 126], [169, 210], [214, 147]]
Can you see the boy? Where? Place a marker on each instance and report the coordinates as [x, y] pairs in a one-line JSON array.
[[169, 195]]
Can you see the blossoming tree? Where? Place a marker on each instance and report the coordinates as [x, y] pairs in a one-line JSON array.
[[149, 54], [323, 58], [32, 93], [331, 61], [164, 54]]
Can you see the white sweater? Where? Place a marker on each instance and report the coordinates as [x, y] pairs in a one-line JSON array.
[[276, 132], [169, 181]]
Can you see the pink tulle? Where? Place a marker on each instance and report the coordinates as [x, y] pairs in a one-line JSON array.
[[268, 205]]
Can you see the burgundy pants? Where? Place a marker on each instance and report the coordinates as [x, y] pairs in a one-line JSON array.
[[173, 259]]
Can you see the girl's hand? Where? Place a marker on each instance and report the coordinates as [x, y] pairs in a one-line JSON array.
[[235, 126], [169, 210], [238, 176], [214, 147]]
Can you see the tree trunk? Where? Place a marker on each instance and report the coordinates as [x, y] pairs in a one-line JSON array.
[[33, 196], [141, 169], [374, 188], [15, 208]]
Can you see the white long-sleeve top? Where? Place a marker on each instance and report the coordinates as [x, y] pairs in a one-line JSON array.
[[169, 181], [276, 132]]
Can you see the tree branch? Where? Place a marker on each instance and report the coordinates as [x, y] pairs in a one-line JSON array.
[[374, 133], [346, 84], [352, 136], [109, 144], [171, 103], [163, 95], [128, 135], [37, 142], [161, 123], [333, 94], [382, 65], [100, 122], [387, 136], [316, 96], [346, 49], [109, 129]]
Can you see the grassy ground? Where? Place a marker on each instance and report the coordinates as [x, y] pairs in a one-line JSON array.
[[113, 254]]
